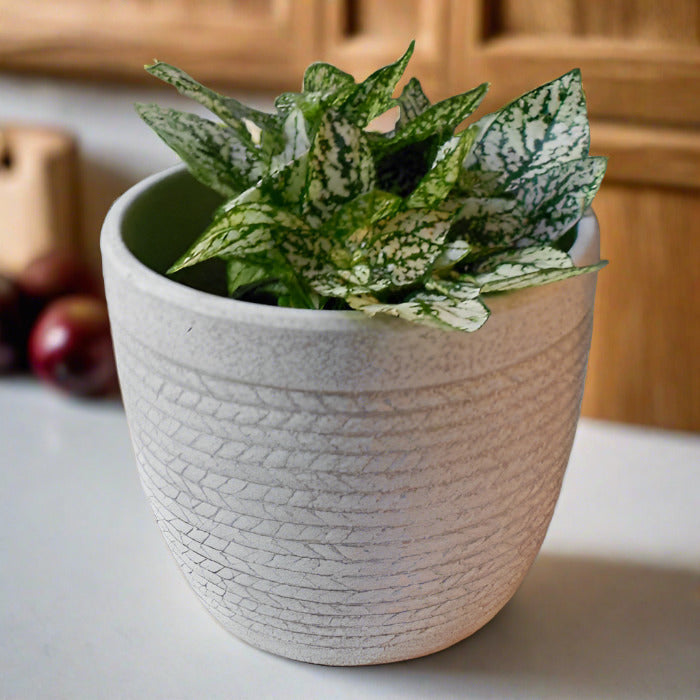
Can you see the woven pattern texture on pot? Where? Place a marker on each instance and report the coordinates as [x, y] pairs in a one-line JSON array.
[[385, 517]]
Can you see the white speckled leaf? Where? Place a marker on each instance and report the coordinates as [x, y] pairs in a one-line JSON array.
[[548, 124], [540, 209], [213, 153], [228, 109], [443, 173], [450, 306], [296, 140], [412, 102], [374, 95], [527, 267], [490, 222], [245, 231], [404, 247], [352, 222], [394, 253], [480, 183], [441, 118], [340, 168], [281, 187], [285, 186], [241, 274], [452, 252], [556, 198], [481, 126], [325, 78]]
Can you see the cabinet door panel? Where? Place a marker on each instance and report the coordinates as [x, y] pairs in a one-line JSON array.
[[361, 35], [644, 365], [253, 43], [640, 59]]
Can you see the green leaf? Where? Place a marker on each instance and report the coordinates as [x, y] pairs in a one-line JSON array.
[[396, 252], [448, 306], [296, 140], [540, 209], [439, 119], [326, 78], [282, 187], [527, 267], [245, 231], [452, 252], [481, 126], [443, 174], [340, 167], [547, 125], [374, 95], [480, 183], [228, 109], [412, 102], [555, 199], [213, 153], [242, 275], [489, 222], [286, 185], [352, 222]]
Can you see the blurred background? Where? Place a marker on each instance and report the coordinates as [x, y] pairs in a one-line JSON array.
[[70, 141]]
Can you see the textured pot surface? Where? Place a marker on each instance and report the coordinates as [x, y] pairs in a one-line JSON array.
[[338, 489]]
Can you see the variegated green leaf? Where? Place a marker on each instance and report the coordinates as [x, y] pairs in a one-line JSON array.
[[312, 105], [213, 153], [531, 259], [374, 95], [285, 186], [396, 252], [412, 102], [481, 126], [480, 183], [326, 78], [453, 306], [228, 109], [403, 248], [340, 168], [281, 187], [540, 210], [527, 267], [452, 252], [489, 222], [545, 126], [244, 232], [556, 198], [439, 119], [241, 275], [353, 221], [443, 173], [296, 140]]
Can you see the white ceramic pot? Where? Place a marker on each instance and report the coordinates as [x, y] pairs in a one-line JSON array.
[[338, 489]]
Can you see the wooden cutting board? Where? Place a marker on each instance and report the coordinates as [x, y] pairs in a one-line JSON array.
[[38, 194]]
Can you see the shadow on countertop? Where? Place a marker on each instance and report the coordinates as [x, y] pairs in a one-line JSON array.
[[577, 627]]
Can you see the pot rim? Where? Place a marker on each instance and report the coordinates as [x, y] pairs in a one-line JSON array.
[[115, 252]]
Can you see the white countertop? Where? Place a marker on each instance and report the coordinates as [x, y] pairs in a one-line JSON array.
[[93, 606]]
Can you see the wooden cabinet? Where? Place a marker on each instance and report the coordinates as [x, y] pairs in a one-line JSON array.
[[253, 43], [640, 61]]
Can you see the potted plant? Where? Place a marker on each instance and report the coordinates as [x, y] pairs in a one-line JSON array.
[[355, 459]]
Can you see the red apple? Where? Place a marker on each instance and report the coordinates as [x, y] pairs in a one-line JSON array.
[[53, 275], [70, 346], [58, 273]]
